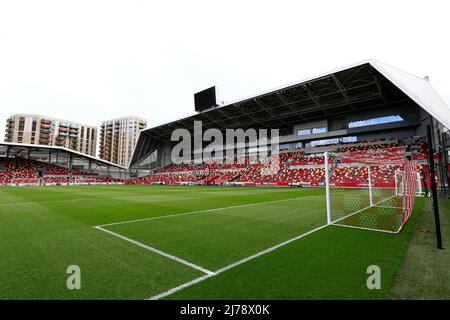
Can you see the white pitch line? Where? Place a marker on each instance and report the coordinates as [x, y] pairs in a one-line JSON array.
[[335, 223], [162, 253], [95, 198], [180, 287], [211, 274], [233, 265], [38, 202], [256, 255], [363, 228], [358, 211], [203, 211]]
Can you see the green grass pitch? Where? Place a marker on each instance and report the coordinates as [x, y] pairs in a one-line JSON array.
[[145, 229]]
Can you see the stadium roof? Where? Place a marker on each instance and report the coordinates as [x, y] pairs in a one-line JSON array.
[[363, 85], [418, 89], [19, 147]]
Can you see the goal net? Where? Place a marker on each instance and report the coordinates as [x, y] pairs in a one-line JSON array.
[[370, 189], [400, 184]]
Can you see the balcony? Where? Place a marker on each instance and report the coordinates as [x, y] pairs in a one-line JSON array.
[[43, 141], [44, 136], [46, 121]]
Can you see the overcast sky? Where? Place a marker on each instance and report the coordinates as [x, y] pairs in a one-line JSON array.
[[89, 61]]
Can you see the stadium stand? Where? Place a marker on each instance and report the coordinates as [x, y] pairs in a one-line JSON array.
[[294, 167], [21, 171]]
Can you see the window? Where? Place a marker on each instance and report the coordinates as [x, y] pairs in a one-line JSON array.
[[324, 142], [291, 146], [374, 121], [349, 139], [319, 130], [303, 132]]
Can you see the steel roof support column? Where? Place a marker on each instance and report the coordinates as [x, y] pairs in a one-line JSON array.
[[437, 221], [70, 161], [445, 150]]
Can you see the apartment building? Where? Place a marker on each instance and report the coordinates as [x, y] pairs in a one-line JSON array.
[[118, 138], [43, 130]]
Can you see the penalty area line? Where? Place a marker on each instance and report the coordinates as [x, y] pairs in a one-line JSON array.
[[154, 250], [233, 265], [204, 211]]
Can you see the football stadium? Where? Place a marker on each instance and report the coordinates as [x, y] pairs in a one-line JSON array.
[[347, 198]]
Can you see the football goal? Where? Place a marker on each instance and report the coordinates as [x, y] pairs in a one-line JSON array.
[[370, 189]]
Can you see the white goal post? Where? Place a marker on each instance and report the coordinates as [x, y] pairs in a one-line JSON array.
[[370, 189], [400, 185]]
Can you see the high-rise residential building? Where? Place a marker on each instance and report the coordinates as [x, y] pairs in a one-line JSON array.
[[118, 138], [43, 130]]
